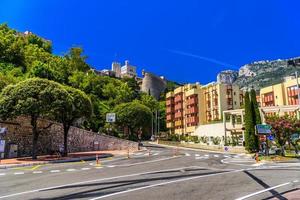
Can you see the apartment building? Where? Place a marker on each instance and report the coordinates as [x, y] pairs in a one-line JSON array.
[[191, 105], [128, 70], [282, 94]]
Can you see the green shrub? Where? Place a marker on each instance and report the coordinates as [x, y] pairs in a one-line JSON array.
[[216, 140]]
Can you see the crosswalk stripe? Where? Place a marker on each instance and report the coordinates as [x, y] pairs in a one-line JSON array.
[[37, 172], [54, 171], [18, 173], [197, 154], [187, 154], [71, 170], [2, 174], [217, 156], [85, 168]]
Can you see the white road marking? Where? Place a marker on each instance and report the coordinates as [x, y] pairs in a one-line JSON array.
[[155, 154], [55, 171], [206, 155], [146, 154], [2, 174], [137, 154], [151, 161], [84, 182], [18, 173], [163, 183], [85, 168], [37, 172], [71, 170], [197, 154], [98, 167], [187, 154], [216, 156], [265, 190], [110, 166], [91, 164]]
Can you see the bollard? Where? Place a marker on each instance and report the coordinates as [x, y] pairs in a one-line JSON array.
[[128, 153], [97, 160], [256, 157]]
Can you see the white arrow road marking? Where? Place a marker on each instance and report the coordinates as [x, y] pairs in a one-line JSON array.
[[55, 171]]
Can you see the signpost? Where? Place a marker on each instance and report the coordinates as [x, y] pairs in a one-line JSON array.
[[263, 129], [111, 117]]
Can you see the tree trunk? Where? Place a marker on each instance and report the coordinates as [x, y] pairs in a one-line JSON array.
[[282, 151], [66, 132], [35, 136]]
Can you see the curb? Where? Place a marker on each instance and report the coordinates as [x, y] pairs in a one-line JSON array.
[[194, 149], [87, 158]]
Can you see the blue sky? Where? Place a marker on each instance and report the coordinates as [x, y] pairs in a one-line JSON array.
[[186, 41]]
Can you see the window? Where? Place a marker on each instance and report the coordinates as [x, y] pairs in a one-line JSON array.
[[233, 93], [235, 103]]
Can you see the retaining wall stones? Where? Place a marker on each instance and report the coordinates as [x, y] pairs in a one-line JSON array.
[[51, 138]]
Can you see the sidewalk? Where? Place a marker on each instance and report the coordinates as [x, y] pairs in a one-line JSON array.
[[72, 157]]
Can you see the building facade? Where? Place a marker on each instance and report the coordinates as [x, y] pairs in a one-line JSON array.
[[128, 70], [285, 93], [192, 105]]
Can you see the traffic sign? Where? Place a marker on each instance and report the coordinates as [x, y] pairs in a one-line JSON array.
[[111, 117], [271, 137], [226, 148], [263, 129]]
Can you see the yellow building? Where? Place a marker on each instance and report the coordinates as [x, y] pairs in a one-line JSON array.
[[191, 105], [281, 94]]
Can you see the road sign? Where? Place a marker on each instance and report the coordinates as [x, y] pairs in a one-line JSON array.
[[271, 137], [111, 117], [263, 129], [226, 148], [2, 146]]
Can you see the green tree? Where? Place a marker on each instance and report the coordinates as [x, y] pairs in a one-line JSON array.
[[134, 116], [133, 85], [255, 107], [77, 107], [34, 98], [250, 141], [77, 61]]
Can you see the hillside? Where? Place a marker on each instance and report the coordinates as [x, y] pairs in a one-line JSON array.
[[262, 73]]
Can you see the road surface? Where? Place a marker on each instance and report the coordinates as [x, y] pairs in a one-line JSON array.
[[162, 173]]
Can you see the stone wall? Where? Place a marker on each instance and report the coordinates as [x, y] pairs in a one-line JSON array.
[[156, 85], [51, 138]]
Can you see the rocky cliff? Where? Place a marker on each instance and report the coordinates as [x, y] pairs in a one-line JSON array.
[[262, 73]]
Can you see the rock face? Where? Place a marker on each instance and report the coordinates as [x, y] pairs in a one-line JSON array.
[[153, 84], [227, 76], [264, 73]]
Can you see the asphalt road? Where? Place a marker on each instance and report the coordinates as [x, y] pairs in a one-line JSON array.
[[164, 174]]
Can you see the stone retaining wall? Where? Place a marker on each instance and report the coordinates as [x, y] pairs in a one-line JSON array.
[[51, 139]]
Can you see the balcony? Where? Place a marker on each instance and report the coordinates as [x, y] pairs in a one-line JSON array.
[[192, 120], [178, 106], [169, 110], [169, 117], [178, 115], [169, 102], [178, 123], [178, 98], [191, 101], [192, 110]]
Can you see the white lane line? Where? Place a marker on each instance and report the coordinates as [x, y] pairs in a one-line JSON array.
[[197, 155], [98, 167], [37, 172], [55, 171], [206, 155], [151, 161], [111, 166], [187, 154], [155, 154], [18, 173], [226, 156], [71, 170], [2, 174], [85, 168], [216, 156], [85, 182], [265, 190], [163, 183]]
